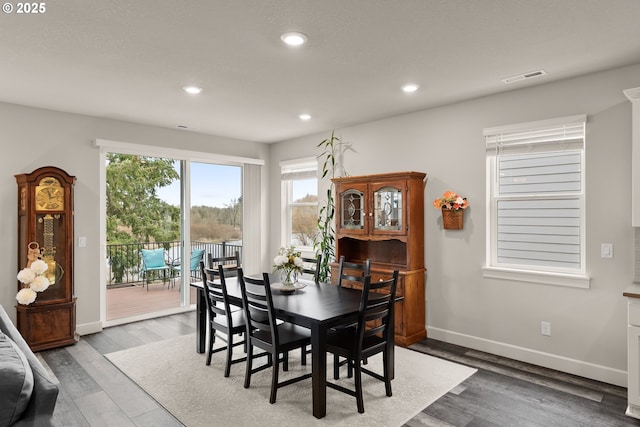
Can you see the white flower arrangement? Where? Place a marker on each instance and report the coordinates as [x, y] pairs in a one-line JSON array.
[[288, 260], [34, 277]]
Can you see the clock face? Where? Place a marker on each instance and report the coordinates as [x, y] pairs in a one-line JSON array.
[[49, 196]]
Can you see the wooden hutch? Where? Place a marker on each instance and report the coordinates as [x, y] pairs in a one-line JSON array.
[[381, 218]]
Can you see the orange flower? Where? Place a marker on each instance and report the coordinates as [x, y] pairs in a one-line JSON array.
[[451, 200]]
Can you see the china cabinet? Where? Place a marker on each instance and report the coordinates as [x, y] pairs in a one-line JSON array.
[[45, 231], [381, 218]]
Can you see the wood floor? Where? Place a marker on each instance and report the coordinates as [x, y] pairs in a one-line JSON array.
[[502, 393]]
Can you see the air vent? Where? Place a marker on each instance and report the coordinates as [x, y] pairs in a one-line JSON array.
[[525, 76]]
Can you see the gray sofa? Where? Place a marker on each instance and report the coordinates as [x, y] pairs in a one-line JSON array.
[[28, 394]]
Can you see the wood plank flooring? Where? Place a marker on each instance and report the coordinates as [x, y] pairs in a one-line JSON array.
[[503, 392]]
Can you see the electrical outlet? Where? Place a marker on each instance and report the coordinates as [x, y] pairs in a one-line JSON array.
[[545, 328]]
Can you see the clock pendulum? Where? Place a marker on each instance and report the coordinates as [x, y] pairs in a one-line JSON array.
[[49, 250]]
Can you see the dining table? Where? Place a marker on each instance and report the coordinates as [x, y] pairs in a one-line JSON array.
[[318, 307]]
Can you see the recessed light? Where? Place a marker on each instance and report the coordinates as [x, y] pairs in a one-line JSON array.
[[193, 90], [410, 88], [293, 38], [304, 116]]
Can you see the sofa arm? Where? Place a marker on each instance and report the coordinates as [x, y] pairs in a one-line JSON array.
[[39, 412]]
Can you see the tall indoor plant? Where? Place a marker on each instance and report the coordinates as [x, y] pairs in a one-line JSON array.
[[325, 240]]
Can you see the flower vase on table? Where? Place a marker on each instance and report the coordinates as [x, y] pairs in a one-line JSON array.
[[289, 277], [289, 263]]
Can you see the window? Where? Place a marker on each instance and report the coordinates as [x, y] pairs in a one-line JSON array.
[[535, 184], [300, 202]]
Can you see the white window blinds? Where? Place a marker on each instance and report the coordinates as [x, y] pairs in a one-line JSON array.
[[536, 195]]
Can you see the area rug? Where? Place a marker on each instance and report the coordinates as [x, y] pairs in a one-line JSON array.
[[198, 395]]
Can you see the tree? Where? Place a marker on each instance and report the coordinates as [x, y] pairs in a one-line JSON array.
[[234, 212], [134, 211], [304, 220]]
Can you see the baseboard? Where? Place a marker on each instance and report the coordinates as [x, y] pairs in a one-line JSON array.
[[552, 361], [88, 328]]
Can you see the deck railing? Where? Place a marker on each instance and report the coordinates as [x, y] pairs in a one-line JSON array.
[[124, 261]]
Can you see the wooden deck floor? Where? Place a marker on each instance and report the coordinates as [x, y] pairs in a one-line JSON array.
[[134, 300]]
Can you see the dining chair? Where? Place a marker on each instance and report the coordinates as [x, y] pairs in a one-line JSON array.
[[373, 334], [154, 260], [352, 271], [350, 275], [230, 264], [223, 322], [263, 331], [311, 266]]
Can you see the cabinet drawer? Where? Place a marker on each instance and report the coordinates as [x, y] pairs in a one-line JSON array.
[[634, 314], [377, 277]]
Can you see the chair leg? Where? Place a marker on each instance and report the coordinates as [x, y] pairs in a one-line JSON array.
[[274, 378], [227, 368], [386, 370], [285, 361], [358, 383], [303, 355], [249, 367], [212, 335]]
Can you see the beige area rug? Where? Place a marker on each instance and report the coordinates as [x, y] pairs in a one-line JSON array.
[[198, 395]]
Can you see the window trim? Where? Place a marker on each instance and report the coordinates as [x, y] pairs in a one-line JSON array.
[[492, 269]]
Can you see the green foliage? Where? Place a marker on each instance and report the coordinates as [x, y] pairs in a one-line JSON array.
[[134, 212], [325, 240]]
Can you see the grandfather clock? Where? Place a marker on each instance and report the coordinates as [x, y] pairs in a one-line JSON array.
[[45, 231]]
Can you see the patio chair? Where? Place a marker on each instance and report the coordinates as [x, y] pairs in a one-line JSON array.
[[154, 260], [194, 264]]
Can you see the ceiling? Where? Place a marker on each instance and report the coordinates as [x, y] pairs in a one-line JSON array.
[[128, 60]]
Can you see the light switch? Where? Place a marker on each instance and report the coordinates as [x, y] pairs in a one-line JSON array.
[[606, 250], [82, 241]]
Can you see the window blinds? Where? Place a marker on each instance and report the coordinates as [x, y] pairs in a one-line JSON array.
[[537, 194]]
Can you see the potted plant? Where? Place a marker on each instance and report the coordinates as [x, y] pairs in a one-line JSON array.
[[324, 241]]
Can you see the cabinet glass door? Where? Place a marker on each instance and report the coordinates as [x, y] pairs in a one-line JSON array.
[[387, 209], [352, 210]]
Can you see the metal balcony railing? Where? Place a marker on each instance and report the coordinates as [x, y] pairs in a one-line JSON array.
[[124, 261]]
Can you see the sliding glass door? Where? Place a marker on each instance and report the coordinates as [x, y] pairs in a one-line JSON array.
[[179, 212]]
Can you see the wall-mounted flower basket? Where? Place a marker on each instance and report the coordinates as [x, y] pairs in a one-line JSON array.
[[452, 206], [452, 219]]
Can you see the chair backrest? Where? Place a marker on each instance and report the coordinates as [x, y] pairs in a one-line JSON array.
[[375, 314], [194, 260], [230, 263], [352, 271], [153, 258], [257, 304], [215, 287], [312, 266]]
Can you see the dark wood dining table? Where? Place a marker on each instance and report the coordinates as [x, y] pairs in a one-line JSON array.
[[318, 307]]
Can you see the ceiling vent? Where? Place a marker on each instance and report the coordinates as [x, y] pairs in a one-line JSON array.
[[525, 76]]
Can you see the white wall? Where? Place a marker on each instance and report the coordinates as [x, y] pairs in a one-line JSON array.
[[588, 325], [31, 138]]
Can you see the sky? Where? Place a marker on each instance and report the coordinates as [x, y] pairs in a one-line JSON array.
[[217, 185], [211, 185]]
